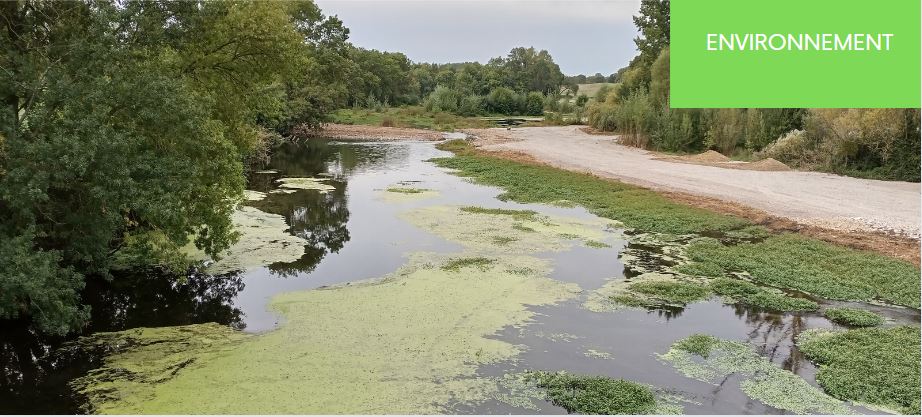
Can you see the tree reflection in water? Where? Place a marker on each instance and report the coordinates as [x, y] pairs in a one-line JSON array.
[[34, 373]]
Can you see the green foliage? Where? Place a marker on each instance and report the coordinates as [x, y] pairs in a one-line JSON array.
[[503, 100], [878, 366], [812, 266], [750, 294], [534, 104], [635, 207], [408, 116], [480, 263], [854, 317], [699, 344], [121, 119], [595, 394], [671, 292]]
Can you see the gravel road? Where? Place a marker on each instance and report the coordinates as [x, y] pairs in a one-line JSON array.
[[813, 198]]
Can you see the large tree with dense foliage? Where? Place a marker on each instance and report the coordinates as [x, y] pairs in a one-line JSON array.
[[127, 122]]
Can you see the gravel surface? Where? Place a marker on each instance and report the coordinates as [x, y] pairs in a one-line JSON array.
[[811, 198]]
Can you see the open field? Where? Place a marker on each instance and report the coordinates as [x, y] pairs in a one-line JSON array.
[[591, 89]]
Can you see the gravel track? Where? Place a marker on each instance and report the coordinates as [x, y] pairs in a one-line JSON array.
[[811, 198]]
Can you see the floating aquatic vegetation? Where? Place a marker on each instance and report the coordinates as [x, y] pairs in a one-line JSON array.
[[598, 354], [283, 191], [747, 293], [402, 194], [582, 394], [479, 262], [596, 244], [506, 231], [263, 240], [648, 290], [250, 195], [305, 184], [408, 343], [854, 317], [711, 360], [139, 358], [874, 365], [267, 171]]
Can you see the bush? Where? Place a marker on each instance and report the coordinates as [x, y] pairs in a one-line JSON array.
[[534, 104], [503, 101], [472, 105], [442, 99]]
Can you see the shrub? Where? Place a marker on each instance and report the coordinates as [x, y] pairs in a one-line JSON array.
[[472, 105], [534, 104], [503, 101]]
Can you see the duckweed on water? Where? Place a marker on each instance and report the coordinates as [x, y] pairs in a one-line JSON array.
[[671, 292], [763, 380], [854, 317], [747, 293], [815, 267], [264, 239], [250, 195], [409, 343], [580, 394], [404, 194], [407, 190], [477, 229], [457, 264], [519, 214], [305, 184], [877, 366]]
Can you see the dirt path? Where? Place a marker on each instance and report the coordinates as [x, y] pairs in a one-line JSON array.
[[810, 198]]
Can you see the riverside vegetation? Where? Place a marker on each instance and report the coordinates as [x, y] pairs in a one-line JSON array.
[[785, 261]]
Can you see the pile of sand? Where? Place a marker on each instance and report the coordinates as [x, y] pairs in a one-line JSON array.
[[707, 157], [768, 164]]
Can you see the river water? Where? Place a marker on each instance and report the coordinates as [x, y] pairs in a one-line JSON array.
[[353, 234]]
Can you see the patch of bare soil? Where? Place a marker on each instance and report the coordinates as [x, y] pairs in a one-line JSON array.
[[491, 136], [362, 132], [769, 164]]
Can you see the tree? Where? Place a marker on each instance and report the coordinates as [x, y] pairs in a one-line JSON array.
[[125, 122], [653, 24]]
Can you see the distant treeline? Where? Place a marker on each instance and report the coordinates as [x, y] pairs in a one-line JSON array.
[[876, 143], [514, 84]]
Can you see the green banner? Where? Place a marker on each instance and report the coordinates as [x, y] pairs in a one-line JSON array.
[[795, 53]]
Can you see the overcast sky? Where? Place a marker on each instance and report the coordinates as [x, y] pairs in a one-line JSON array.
[[583, 36]]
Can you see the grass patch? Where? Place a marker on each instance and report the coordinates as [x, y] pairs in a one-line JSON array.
[[457, 264], [854, 317], [753, 295], [596, 394], [813, 266], [635, 207], [407, 190], [671, 292], [873, 365], [699, 344], [519, 214]]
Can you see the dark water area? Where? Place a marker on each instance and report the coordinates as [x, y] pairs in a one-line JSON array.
[[353, 234]]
